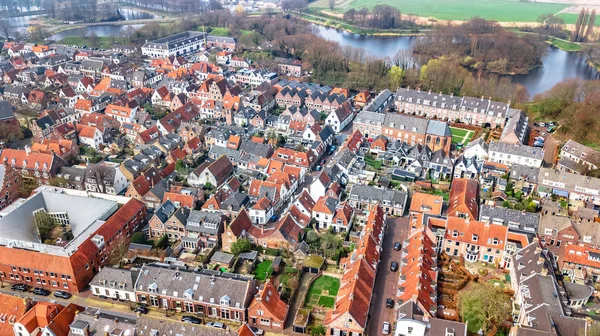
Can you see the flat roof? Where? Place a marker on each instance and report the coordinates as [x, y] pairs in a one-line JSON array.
[[85, 215]]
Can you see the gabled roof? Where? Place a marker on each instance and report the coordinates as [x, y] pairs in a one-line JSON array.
[[464, 198], [268, 298]]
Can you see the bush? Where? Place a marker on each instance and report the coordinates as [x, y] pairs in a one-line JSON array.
[[162, 242], [317, 330], [139, 238], [273, 252]]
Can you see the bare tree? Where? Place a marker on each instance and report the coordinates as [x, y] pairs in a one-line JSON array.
[[6, 28], [100, 172], [117, 251]]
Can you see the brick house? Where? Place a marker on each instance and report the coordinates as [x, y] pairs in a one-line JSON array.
[[267, 310], [205, 293]]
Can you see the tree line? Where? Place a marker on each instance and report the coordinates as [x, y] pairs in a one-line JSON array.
[[484, 46], [380, 17], [584, 26]]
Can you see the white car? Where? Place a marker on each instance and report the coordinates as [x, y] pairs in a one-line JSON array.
[[386, 328], [216, 325]]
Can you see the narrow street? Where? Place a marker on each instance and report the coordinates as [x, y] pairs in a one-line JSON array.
[[386, 280]]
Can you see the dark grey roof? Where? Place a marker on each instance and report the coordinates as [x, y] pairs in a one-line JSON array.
[[165, 211], [6, 111], [516, 149], [204, 222], [379, 101], [371, 194], [406, 122], [235, 201], [525, 173], [262, 150], [515, 220], [224, 289], [440, 128], [577, 291], [118, 278], [221, 257]]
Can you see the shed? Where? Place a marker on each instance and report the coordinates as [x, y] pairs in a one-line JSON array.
[[313, 264], [222, 259], [277, 263]]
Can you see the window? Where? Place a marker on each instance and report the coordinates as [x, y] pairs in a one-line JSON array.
[[475, 237], [264, 321], [260, 312]]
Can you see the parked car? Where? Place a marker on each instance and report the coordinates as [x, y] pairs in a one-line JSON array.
[[386, 328], [318, 167], [397, 246], [191, 319], [257, 331], [216, 325], [41, 291], [62, 295], [389, 303], [542, 124], [394, 266], [322, 162], [20, 287], [142, 309]]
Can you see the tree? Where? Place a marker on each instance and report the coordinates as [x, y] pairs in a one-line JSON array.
[[591, 23], [93, 40], [484, 307], [6, 28], [100, 173], [139, 238], [214, 5], [318, 330], [578, 25], [331, 4], [117, 252], [180, 167], [395, 74], [162, 242], [44, 225], [37, 33], [241, 246]]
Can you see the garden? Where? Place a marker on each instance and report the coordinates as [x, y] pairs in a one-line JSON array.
[[322, 292]]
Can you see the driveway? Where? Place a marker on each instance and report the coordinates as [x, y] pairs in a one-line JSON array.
[[550, 148], [386, 280]]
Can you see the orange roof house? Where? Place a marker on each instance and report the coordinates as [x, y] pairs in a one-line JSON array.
[[475, 240], [426, 203], [273, 311], [464, 198], [47, 314], [362, 98], [13, 309]]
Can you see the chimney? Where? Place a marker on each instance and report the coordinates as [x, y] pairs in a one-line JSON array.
[[27, 150], [451, 94], [481, 98], [408, 88]]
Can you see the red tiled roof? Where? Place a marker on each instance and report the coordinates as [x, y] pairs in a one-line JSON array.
[[13, 308], [464, 198], [485, 232], [268, 298], [426, 203]]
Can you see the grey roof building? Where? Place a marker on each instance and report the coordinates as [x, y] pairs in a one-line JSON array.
[[362, 195], [209, 289], [440, 128], [206, 222], [93, 322], [379, 103], [515, 220]]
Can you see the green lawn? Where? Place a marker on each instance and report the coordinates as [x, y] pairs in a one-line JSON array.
[[458, 135], [260, 272], [221, 31], [499, 10], [322, 292], [373, 163], [564, 45], [103, 42]]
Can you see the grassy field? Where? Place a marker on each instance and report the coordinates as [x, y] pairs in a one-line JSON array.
[[564, 45], [499, 10], [322, 292], [460, 135], [104, 42], [260, 273], [221, 31]]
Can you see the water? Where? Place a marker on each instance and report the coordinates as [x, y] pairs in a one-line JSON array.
[[103, 30], [21, 22], [134, 14], [558, 65]]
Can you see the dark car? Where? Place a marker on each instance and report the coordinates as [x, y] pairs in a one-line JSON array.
[[191, 319], [41, 291], [322, 162], [142, 309], [20, 287], [394, 266], [389, 303], [62, 295], [397, 246]]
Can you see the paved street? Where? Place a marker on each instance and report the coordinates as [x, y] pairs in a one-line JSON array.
[[386, 280]]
